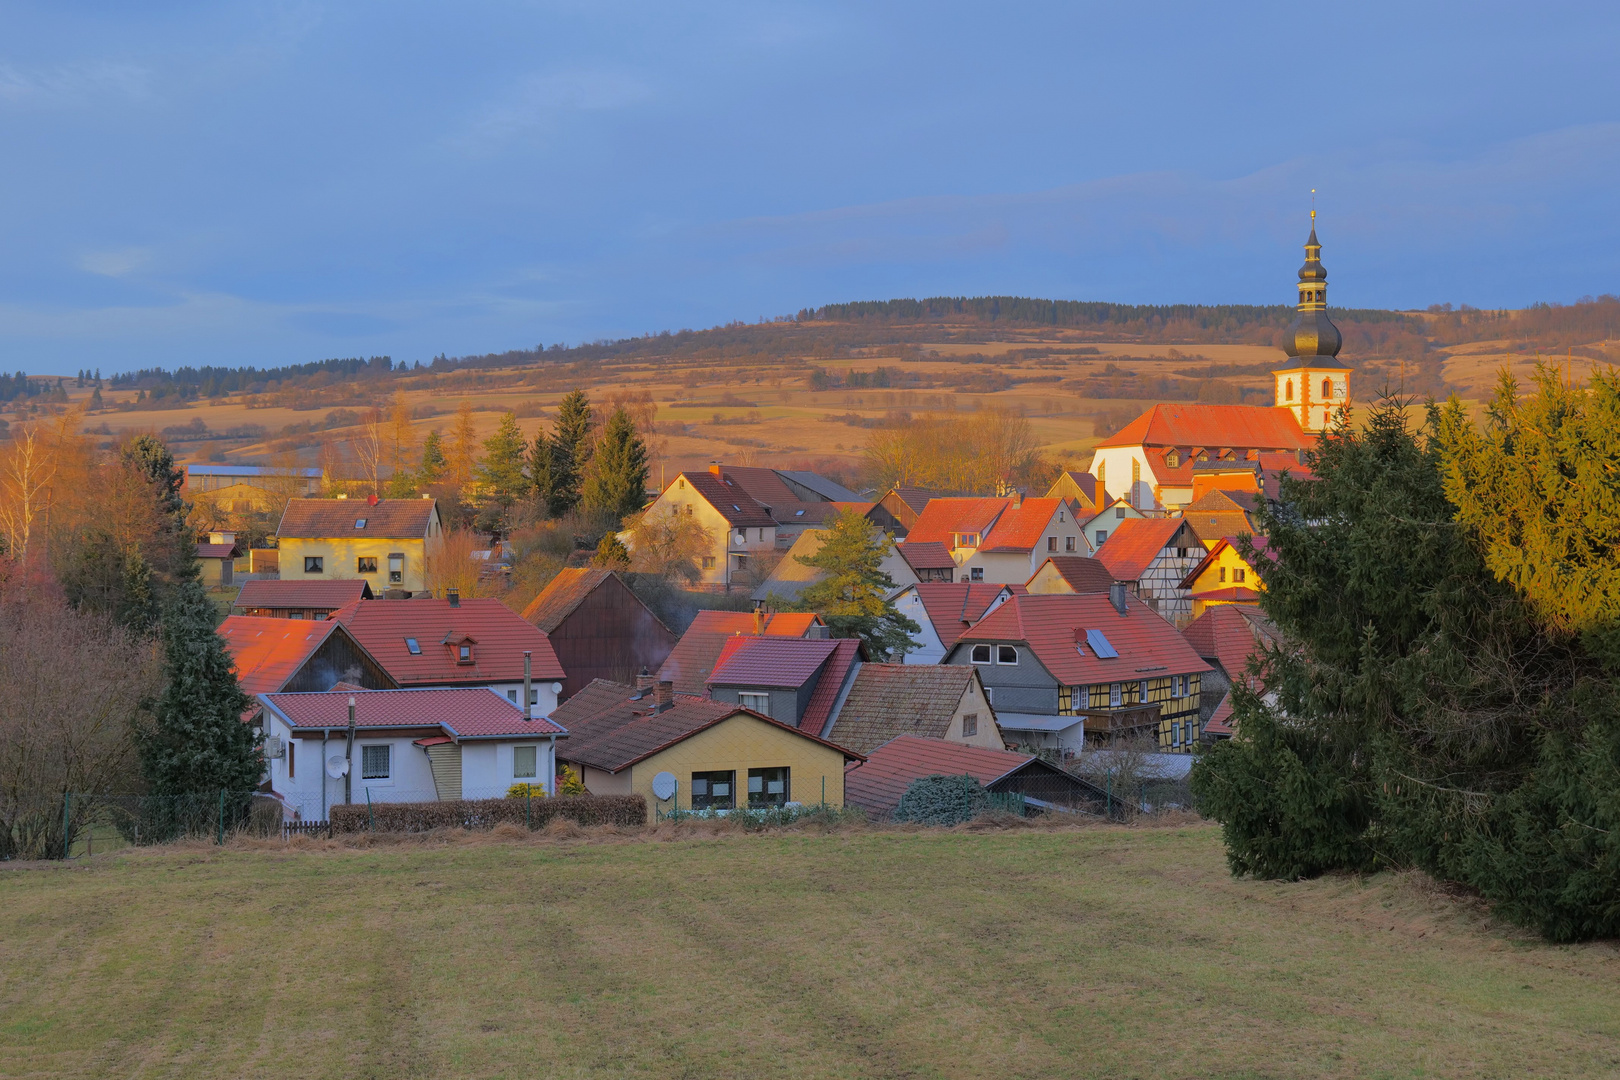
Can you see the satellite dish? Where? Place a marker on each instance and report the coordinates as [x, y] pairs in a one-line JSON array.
[[556, 688], [337, 766], [664, 785]]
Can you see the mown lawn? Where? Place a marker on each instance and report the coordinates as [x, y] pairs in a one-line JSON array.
[[1091, 952]]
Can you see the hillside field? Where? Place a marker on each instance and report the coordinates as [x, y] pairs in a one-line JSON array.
[[1076, 952]]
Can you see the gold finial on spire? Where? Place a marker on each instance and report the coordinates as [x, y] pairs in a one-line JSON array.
[[1313, 208]]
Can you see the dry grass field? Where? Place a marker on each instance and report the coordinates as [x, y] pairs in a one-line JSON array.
[[1078, 952]]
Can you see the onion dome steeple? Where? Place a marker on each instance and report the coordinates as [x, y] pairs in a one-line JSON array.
[[1312, 333]]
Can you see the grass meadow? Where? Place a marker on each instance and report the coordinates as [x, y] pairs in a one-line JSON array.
[[1071, 952]]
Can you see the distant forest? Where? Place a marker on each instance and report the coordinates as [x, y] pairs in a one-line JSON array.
[[841, 332]]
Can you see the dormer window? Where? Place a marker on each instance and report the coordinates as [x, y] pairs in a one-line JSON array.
[[463, 654], [359, 523]]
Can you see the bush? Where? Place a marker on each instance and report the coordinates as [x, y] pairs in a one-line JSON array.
[[526, 790], [487, 813], [942, 800]]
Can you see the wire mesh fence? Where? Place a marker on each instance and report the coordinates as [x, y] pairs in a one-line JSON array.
[[84, 824]]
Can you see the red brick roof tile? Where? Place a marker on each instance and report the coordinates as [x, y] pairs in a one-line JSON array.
[[391, 519], [268, 652], [302, 595], [1054, 626], [499, 637], [953, 606], [942, 519], [463, 712], [926, 555], [694, 656], [888, 700], [728, 497], [1259, 427], [1228, 634], [779, 662], [1135, 543], [1081, 572], [1020, 528], [878, 784], [562, 595], [831, 683]]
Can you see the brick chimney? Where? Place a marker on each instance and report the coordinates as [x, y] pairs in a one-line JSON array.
[[663, 695], [644, 684], [759, 619], [453, 595], [715, 467]]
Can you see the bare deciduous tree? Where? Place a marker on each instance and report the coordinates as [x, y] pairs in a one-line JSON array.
[[369, 443], [26, 469]]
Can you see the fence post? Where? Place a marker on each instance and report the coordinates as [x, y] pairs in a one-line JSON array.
[[528, 805], [221, 816], [1108, 792], [371, 815], [67, 817]]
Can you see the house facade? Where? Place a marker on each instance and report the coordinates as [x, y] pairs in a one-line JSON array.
[[1105, 522], [383, 542], [1153, 556], [930, 701], [943, 610], [999, 540], [1223, 576], [598, 628]]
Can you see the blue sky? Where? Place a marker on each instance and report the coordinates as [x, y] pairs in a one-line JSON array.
[[267, 183]]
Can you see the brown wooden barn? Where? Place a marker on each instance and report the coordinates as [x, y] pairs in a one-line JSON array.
[[599, 628]]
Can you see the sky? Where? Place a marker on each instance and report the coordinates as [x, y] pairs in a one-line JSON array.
[[278, 182]]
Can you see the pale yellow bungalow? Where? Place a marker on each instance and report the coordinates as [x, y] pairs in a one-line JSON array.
[[1224, 576], [384, 542]]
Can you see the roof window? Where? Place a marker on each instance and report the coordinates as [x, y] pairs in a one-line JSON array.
[[1100, 645], [359, 523], [413, 646]]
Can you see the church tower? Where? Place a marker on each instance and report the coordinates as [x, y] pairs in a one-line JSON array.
[[1312, 385]]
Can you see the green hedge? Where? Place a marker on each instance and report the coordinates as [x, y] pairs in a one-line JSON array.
[[488, 813]]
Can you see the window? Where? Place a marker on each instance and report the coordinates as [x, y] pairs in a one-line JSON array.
[[359, 523], [1006, 654], [1172, 459], [688, 509], [1119, 513], [1288, 389], [1051, 543], [396, 567], [464, 654], [714, 790], [1068, 543], [314, 564], [981, 654], [1181, 553], [1102, 537], [525, 761], [511, 695], [1175, 733], [708, 562], [1062, 516], [1327, 388], [975, 573], [742, 562], [1115, 697], [292, 759], [1239, 574], [1142, 691], [760, 703], [374, 762], [365, 565], [412, 647], [767, 787], [762, 533], [1223, 573], [970, 725]]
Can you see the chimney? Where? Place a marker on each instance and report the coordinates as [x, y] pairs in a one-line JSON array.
[[1017, 498], [528, 713], [714, 467], [644, 684], [1116, 596], [453, 595], [759, 618], [663, 695]]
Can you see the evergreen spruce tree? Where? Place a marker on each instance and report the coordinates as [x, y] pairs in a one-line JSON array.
[[541, 481], [433, 463], [197, 744], [852, 598], [617, 480], [570, 445], [611, 553], [501, 470]]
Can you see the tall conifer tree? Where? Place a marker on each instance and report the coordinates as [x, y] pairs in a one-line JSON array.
[[502, 468], [617, 480]]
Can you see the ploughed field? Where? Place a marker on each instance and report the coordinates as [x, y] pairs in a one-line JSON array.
[[1105, 951]]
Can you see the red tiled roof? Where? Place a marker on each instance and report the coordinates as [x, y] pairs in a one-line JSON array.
[[1054, 625], [390, 519], [1232, 594], [822, 699], [1228, 634], [878, 784], [693, 657], [1084, 574], [763, 485], [464, 712], [729, 498], [914, 497], [1248, 426], [941, 519], [1134, 544], [562, 595], [598, 696], [498, 633], [780, 662], [927, 555], [1220, 721], [268, 652], [216, 551], [1021, 527], [316, 594], [621, 732], [953, 606]]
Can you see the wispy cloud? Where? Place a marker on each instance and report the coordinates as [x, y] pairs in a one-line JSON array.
[[117, 262], [72, 84]]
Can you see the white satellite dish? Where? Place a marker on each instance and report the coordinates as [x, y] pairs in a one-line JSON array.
[[664, 785], [337, 766]]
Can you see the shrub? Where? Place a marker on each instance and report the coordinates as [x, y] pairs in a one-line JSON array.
[[487, 813], [942, 800], [568, 781], [525, 790]]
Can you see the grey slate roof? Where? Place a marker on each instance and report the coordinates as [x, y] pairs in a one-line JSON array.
[[888, 700]]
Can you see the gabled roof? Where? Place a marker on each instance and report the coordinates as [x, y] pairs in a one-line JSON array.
[[888, 700], [1220, 721], [915, 497], [1134, 543], [763, 485], [830, 685], [729, 499], [953, 606], [927, 555], [268, 652], [1020, 528], [694, 655], [1081, 573], [820, 485], [216, 551], [463, 712], [1228, 634], [1054, 628], [598, 696], [386, 519], [569, 589], [293, 593], [625, 731], [890, 769], [499, 633], [942, 519], [777, 662], [1247, 426], [1261, 548], [1083, 482]]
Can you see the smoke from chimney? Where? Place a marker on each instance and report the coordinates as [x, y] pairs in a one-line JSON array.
[[663, 695]]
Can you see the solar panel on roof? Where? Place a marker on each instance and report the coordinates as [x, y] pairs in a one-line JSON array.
[[1099, 645]]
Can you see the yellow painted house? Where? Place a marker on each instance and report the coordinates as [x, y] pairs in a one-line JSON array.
[[721, 756], [384, 542], [1223, 576]]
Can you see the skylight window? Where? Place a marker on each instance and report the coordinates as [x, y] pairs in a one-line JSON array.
[[359, 523], [412, 645], [1099, 645]]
